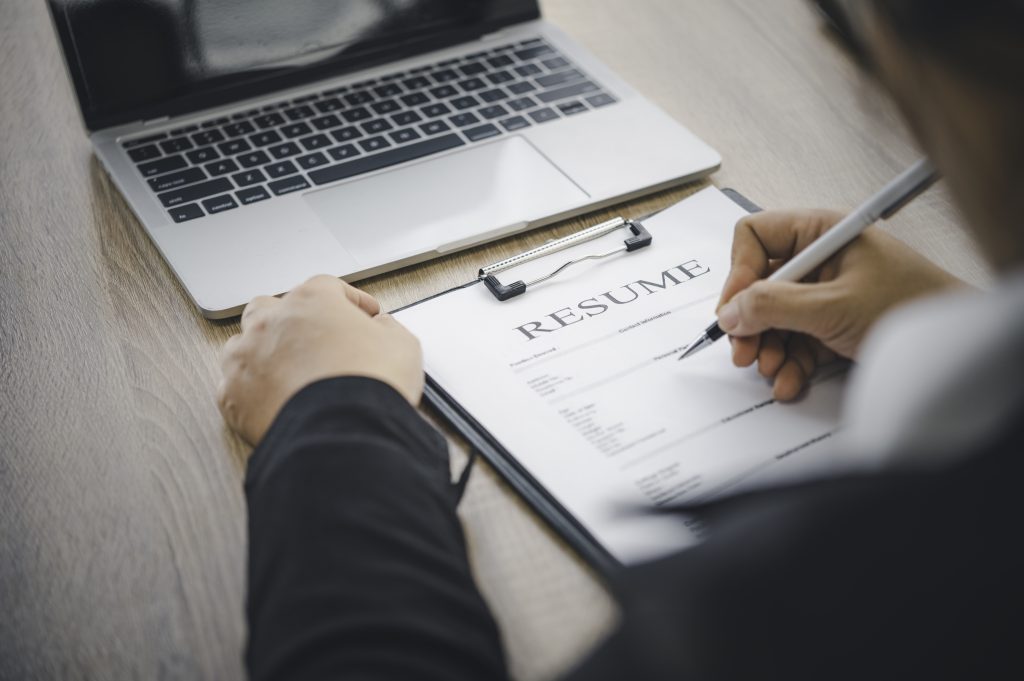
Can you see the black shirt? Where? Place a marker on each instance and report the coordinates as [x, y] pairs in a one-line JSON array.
[[358, 567]]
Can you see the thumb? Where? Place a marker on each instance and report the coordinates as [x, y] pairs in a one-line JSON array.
[[782, 305]]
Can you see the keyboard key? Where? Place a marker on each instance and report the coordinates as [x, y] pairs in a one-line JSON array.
[[435, 110], [388, 90], [374, 144], [221, 167], [496, 111], [472, 84], [240, 128], [465, 102], [145, 153], [189, 211], [416, 83], [203, 155], [184, 130], [296, 130], [464, 119], [385, 107], [207, 137], [244, 179], [444, 76], [443, 92], [376, 126], [498, 62], [270, 120], [482, 132], [311, 161], [472, 69], [289, 185], [406, 118], [232, 147], [173, 146], [328, 105], [515, 123], [177, 179], [555, 63], [315, 142], [415, 99], [285, 150], [356, 115], [326, 122], [568, 91], [215, 122], [500, 77], [573, 107], [534, 52], [435, 127], [163, 165], [343, 152], [252, 195], [520, 88], [346, 134], [600, 99], [262, 139], [253, 158], [560, 78], [528, 70], [194, 192], [522, 103], [403, 136], [280, 169], [493, 95], [219, 204], [141, 141], [543, 115], [359, 98], [305, 98], [299, 112], [389, 158]]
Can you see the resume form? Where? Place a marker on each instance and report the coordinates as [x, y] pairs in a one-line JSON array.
[[579, 380]]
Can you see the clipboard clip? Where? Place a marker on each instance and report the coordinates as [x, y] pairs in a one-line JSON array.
[[639, 239]]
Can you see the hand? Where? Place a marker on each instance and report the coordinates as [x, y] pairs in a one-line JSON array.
[[321, 329], [790, 329]]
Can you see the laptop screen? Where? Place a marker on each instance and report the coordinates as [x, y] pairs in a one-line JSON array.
[[140, 59]]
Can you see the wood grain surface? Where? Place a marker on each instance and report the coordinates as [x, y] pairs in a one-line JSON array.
[[122, 522]]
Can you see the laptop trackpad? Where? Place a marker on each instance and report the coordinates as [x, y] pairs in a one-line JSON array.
[[444, 203]]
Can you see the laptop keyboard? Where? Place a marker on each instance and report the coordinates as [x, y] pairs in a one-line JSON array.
[[292, 145]]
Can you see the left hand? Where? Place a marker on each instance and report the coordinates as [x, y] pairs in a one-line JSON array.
[[323, 328]]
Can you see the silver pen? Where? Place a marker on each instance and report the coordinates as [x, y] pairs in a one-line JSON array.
[[882, 206]]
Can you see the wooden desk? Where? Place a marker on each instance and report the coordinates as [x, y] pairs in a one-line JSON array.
[[122, 523]]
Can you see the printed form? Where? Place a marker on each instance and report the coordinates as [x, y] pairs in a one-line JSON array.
[[579, 380]]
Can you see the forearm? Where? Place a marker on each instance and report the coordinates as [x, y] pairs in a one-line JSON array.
[[357, 563]]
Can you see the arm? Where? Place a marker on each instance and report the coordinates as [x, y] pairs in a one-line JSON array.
[[357, 564]]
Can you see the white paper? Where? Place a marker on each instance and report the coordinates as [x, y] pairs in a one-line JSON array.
[[579, 380]]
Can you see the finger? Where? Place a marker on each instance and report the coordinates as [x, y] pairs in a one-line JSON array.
[[760, 238], [744, 350], [789, 382], [806, 308], [361, 299], [255, 305], [800, 349], [229, 349], [772, 354]]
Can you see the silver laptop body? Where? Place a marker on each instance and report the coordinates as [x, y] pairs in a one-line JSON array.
[[392, 164]]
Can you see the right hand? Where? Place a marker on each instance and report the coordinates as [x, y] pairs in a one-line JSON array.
[[790, 329]]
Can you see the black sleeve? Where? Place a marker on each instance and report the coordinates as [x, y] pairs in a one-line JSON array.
[[357, 562]]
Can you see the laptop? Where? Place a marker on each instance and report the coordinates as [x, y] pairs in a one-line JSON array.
[[261, 142]]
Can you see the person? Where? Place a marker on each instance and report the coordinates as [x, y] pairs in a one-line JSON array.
[[910, 568]]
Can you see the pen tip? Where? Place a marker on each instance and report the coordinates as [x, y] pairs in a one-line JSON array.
[[695, 347]]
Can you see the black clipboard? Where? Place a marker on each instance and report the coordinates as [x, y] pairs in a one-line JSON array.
[[482, 443]]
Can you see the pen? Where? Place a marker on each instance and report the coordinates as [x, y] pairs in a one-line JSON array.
[[882, 206]]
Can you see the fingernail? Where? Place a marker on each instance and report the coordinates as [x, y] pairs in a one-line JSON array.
[[729, 316]]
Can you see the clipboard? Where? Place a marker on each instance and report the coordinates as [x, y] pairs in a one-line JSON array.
[[482, 443]]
